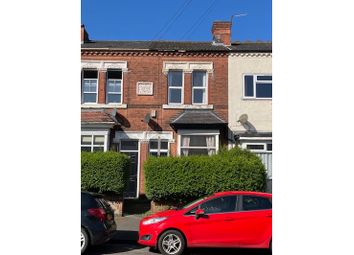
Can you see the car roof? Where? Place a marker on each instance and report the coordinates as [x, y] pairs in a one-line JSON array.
[[223, 193], [96, 195]]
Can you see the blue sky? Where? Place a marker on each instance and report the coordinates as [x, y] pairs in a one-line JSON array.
[[182, 20]]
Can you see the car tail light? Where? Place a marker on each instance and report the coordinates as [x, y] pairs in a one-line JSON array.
[[98, 213]]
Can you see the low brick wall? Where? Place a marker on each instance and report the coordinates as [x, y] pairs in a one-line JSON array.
[[116, 203], [160, 206]]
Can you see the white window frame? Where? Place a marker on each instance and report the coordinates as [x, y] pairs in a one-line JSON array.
[[189, 132], [159, 150], [90, 79], [174, 87], [244, 146], [254, 86], [205, 87], [96, 133], [115, 93]]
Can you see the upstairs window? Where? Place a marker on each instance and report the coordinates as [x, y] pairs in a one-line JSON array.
[[199, 85], [258, 86], [114, 87], [175, 87], [158, 148], [89, 86]]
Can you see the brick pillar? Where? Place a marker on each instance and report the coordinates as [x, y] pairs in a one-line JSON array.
[[144, 152], [187, 88], [102, 86]]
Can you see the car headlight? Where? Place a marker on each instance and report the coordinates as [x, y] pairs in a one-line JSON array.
[[154, 220]]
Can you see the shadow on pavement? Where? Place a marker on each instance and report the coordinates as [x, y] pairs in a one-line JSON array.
[[124, 236], [234, 251], [111, 248], [122, 241]]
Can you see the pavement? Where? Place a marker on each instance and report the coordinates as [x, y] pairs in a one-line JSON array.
[[124, 242]]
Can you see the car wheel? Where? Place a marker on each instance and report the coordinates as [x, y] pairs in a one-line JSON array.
[[84, 240], [171, 243]]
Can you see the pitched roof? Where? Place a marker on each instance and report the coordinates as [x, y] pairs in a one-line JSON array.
[[205, 117], [98, 116], [247, 46], [178, 46]]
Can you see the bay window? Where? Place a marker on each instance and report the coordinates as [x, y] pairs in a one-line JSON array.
[[198, 143], [92, 143]]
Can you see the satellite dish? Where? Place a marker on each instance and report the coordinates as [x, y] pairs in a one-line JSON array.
[[114, 112], [147, 118], [243, 119]]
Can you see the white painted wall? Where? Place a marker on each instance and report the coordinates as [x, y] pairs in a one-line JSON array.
[[259, 111]]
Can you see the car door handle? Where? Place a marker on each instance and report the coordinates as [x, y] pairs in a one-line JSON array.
[[229, 219]]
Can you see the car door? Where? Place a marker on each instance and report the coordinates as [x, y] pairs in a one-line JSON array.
[[252, 223], [213, 228]]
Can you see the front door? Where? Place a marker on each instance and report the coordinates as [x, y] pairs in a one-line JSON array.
[[131, 148]]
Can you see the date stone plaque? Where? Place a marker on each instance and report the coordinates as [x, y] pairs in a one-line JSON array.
[[144, 88]]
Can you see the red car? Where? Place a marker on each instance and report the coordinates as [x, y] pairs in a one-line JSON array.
[[225, 219]]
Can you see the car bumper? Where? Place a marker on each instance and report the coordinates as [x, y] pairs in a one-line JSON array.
[[102, 236], [148, 235]]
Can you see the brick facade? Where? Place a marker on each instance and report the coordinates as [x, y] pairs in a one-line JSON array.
[[139, 65]]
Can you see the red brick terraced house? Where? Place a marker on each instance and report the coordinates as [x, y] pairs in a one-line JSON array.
[[155, 98]]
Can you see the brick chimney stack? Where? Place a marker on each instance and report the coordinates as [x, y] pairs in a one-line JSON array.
[[84, 35], [221, 31]]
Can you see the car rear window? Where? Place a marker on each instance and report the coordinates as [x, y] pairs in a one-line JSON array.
[[88, 201], [252, 203]]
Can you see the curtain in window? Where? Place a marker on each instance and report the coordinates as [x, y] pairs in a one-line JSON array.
[[210, 141], [185, 143]]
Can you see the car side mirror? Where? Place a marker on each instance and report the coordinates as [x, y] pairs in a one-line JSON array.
[[199, 213]]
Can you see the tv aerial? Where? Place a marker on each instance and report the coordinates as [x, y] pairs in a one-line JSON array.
[[237, 15]]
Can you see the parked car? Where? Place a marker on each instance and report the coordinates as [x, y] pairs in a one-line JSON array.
[[225, 219], [97, 220]]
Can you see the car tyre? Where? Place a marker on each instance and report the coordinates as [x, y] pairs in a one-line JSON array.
[[85, 241], [171, 242]]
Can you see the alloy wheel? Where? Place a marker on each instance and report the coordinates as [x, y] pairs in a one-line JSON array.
[[171, 244], [83, 241]]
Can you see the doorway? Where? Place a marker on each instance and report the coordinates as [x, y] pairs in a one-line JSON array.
[[131, 149]]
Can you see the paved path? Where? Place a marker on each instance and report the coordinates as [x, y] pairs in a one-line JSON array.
[[111, 248]]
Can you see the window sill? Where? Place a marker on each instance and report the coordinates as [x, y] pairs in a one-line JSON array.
[[187, 106], [255, 99], [103, 105]]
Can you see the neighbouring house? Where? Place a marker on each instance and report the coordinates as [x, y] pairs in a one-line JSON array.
[[250, 100], [155, 98]]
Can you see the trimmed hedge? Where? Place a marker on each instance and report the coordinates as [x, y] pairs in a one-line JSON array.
[[181, 179], [104, 172]]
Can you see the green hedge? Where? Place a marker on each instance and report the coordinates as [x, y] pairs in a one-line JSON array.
[[180, 179], [104, 172]]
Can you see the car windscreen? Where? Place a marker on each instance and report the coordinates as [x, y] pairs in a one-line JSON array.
[[193, 202]]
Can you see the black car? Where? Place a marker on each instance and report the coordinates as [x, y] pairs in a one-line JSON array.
[[97, 220]]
